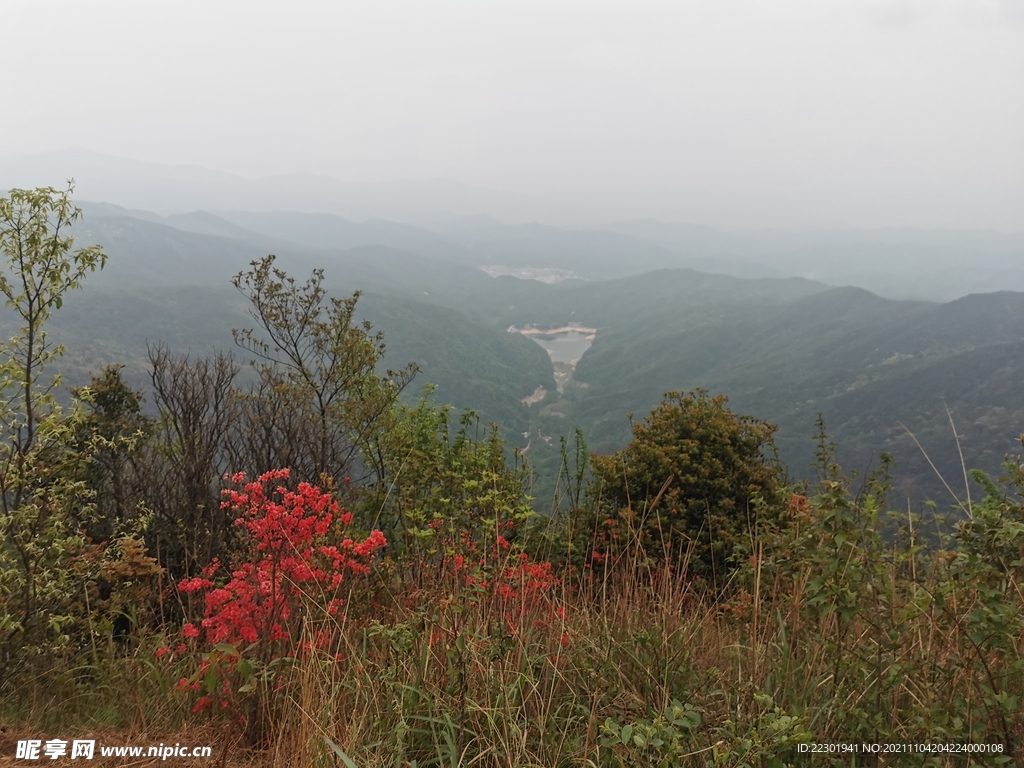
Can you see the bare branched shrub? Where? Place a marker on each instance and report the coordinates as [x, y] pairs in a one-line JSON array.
[[189, 456]]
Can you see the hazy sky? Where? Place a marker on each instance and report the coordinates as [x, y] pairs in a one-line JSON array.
[[722, 111]]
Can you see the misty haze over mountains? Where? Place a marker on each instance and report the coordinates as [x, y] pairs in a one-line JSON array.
[[878, 330], [474, 226], [177, 189]]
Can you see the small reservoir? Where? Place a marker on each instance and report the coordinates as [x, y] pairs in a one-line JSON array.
[[564, 345]]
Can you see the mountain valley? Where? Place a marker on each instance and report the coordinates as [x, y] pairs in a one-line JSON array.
[[881, 372]]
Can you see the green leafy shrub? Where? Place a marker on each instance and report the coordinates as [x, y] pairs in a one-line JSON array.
[[662, 741], [448, 486], [691, 483]]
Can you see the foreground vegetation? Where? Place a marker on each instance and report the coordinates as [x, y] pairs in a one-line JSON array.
[[326, 576]]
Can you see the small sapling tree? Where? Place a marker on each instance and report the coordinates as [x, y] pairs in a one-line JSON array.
[[39, 487], [313, 356]]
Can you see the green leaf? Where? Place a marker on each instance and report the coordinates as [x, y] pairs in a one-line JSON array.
[[245, 669], [345, 759], [210, 680]]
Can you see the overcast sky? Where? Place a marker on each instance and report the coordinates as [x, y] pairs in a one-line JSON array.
[[738, 112]]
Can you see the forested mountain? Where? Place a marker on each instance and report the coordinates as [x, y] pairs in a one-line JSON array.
[[783, 348], [472, 364], [870, 366]]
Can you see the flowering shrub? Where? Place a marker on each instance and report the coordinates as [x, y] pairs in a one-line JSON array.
[[519, 589], [296, 559], [278, 598]]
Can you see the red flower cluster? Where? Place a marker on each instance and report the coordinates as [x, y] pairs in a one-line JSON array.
[[291, 559], [490, 570], [521, 579]]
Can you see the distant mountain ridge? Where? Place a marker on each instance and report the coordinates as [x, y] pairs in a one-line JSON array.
[[473, 225], [181, 188]]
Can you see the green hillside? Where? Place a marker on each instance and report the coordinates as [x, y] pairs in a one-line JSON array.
[[866, 364], [471, 363]]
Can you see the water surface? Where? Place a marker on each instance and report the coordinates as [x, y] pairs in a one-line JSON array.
[[566, 347]]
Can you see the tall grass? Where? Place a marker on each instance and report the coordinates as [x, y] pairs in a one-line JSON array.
[[826, 631]]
